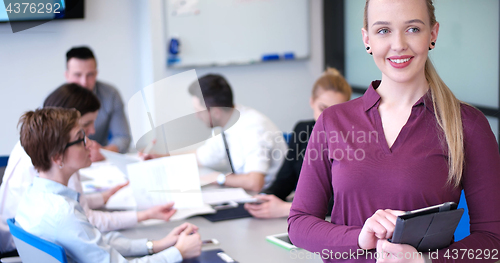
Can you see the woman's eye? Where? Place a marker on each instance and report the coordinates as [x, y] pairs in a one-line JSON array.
[[413, 30], [383, 31]]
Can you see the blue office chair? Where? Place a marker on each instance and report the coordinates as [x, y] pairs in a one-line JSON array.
[[34, 249], [463, 229], [287, 136], [3, 164]]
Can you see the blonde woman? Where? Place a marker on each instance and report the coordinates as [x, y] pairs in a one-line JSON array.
[[412, 144], [330, 89]]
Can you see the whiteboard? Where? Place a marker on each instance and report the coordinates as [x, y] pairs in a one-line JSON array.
[[224, 32]]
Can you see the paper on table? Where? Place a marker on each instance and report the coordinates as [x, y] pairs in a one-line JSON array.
[[182, 214], [216, 196], [101, 176], [167, 179]]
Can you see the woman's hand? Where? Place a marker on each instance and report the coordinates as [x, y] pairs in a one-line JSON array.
[[189, 242], [379, 226], [273, 207], [162, 212], [172, 237], [389, 252], [108, 193]]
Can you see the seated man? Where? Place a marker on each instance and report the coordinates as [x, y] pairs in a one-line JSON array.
[[81, 68], [330, 89], [256, 146], [58, 147]]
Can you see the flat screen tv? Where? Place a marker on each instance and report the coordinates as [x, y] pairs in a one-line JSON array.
[[40, 10]]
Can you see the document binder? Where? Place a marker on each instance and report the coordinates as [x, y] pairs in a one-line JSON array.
[[211, 256], [228, 214]]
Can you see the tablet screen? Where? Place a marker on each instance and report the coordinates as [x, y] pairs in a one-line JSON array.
[[284, 238]]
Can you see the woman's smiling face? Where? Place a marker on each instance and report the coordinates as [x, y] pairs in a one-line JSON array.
[[399, 34]]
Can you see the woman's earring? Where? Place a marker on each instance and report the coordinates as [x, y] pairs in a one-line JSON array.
[[61, 165], [368, 48], [433, 44]]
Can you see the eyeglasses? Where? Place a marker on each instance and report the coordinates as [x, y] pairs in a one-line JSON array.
[[84, 140]]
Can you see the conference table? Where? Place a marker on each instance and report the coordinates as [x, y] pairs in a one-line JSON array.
[[243, 239]]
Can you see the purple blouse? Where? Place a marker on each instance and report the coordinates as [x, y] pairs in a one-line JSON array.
[[348, 156]]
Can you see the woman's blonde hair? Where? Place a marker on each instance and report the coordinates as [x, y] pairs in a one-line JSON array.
[[446, 110], [331, 80]]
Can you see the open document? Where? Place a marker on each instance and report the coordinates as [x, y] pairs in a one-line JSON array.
[[167, 179], [217, 196], [101, 176]]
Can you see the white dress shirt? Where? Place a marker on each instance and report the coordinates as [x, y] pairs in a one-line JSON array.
[[51, 211], [18, 177], [255, 145]]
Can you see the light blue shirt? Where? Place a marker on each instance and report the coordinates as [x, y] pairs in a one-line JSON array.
[[51, 211]]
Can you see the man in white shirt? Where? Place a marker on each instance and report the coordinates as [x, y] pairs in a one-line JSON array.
[[257, 147]]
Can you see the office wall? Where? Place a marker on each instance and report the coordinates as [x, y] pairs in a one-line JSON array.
[[32, 62], [128, 37], [281, 90]]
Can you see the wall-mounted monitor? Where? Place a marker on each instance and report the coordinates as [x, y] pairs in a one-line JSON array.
[[40, 10]]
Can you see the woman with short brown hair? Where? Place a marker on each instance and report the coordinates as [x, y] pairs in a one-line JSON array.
[[58, 147]]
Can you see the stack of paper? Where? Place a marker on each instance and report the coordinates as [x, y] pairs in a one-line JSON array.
[[168, 179], [101, 176], [217, 196]]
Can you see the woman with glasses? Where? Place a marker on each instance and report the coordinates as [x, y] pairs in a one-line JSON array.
[[58, 148], [20, 172]]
